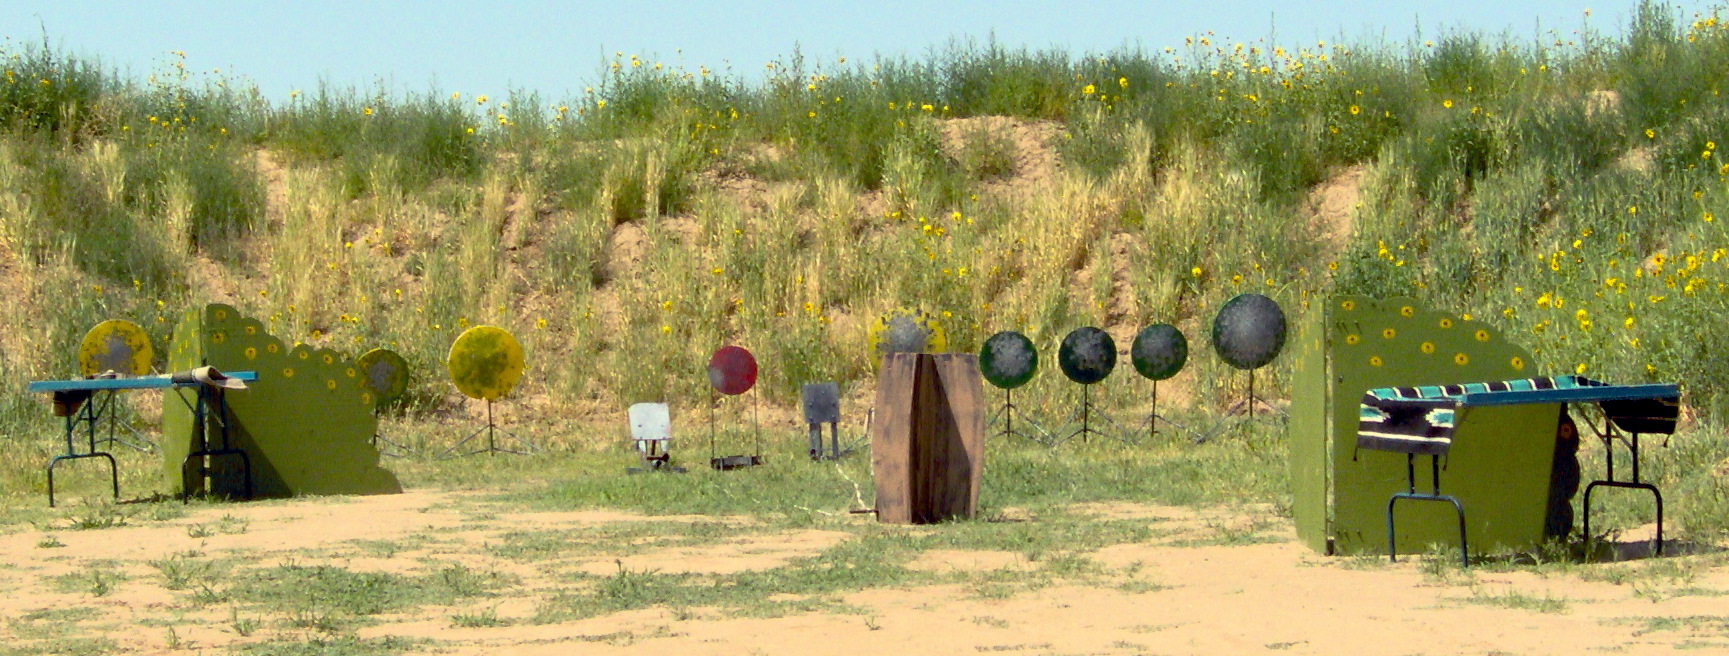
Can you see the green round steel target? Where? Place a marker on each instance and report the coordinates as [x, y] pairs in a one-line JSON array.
[[1159, 351], [1008, 360]]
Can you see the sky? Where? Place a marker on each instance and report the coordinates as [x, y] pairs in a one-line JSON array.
[[558, 48]]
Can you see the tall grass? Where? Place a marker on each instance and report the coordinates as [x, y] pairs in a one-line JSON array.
[[628, 231]]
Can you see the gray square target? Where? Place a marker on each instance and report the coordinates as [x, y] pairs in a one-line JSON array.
[[821, 403]]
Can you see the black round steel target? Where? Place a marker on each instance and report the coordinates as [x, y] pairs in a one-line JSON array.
[[1087, 355], [1249, 331]]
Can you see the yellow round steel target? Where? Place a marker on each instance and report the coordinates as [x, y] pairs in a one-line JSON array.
[[115, 345], [382, 372], [905, 331], [485, 362]]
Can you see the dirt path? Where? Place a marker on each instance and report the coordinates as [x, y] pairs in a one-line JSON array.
[[1269, 595]]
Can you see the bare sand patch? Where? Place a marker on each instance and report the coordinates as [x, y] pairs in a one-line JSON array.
[[1155, 596], [1269, 598], [741, 554]]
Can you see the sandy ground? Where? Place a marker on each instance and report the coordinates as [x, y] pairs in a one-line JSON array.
[[1268, 597]]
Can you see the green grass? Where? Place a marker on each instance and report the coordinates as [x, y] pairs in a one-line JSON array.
[[1517, 600]]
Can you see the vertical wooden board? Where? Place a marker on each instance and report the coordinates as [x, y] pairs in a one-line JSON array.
[[928, 438], [1307, 433], [890, 439], [1395, 342], [964, 396]]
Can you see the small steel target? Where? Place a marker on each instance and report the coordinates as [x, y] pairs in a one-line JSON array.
[[1249, 331], [115, 345], [1008, 360], [1087, 355], [384, 373], [1159, 351], [732, 370]]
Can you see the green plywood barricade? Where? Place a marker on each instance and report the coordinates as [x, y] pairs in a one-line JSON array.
[[306, 423], [1310, 468], [1499, 466]]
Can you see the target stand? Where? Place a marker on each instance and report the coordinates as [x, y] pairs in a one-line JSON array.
[[386, 446], [821, 403], [139, 441], [732, 372], [1007, 413], [492, 432], [1087, 356], [1248, 333], [385, 379], [651, 432], [1151, 423], [1008, 360], [115, 347], [1086, 416], [1158, 353], [485, 363], [741, 461]]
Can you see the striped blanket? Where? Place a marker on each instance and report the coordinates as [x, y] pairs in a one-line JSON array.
[[1421, 420]]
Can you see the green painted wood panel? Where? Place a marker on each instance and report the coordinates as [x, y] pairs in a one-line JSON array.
[[1308, 437], [306, 423], [1501, 457]]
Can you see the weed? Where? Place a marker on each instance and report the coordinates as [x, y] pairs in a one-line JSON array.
[[1518, 600], [483, 618], [183, 570], [242, 626], [227, 525]]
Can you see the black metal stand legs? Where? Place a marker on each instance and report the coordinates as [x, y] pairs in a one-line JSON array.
[[1610, 481], [201, 418], [1007, 413], [88, 415], [492, 432], [727, 463], [1412, 494], [834, 451], [1086, 413]]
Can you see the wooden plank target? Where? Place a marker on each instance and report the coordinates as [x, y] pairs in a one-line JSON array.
[[927, 443]]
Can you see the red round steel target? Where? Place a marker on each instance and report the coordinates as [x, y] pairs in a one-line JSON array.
[[732, 370]]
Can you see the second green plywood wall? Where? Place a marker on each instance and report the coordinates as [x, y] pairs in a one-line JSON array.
[[1499, 467]]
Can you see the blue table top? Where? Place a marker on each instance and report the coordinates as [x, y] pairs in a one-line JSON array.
[[1575, 395], [139, 382]]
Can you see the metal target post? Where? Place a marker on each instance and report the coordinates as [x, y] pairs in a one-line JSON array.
[[1159, 352], [386, 379], [732, 371], [1248, 333], [1087, 356], [485, 363], [1008, 360]]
